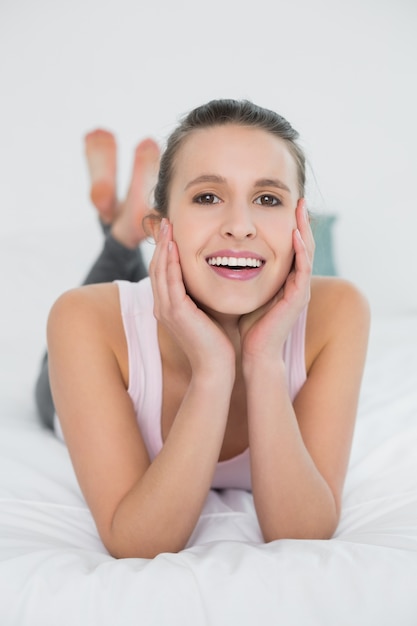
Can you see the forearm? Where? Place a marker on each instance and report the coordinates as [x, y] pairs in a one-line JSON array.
[[291, 497], [160, 512]]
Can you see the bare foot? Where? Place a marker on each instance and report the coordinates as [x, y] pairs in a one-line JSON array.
[[127, 227], [100, 150]]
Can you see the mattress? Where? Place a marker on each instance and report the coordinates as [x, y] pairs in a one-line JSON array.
[[55, 570]]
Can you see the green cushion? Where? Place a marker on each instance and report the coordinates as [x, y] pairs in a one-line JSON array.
[[324, 262]]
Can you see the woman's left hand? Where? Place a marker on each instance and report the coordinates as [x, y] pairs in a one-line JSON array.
[[265, 330]]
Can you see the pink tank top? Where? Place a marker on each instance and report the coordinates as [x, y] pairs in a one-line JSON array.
[[145, 376]]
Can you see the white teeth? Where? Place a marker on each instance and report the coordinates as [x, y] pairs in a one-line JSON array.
[[232, 261]]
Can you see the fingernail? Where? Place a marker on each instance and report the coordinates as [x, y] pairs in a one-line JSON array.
[[164, 225], [305, 208]]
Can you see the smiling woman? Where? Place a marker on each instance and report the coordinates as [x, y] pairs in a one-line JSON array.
[[247, 192], [230, 365]]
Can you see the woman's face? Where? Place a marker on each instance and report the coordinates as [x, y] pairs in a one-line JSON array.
[[232, 206]]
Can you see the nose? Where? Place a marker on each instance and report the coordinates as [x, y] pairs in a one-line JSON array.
[[238, 222]]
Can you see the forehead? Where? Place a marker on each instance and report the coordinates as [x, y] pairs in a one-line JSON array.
[[233, 149]]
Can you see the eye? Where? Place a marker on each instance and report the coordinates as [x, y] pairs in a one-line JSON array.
[[267, 199], [207, 198]]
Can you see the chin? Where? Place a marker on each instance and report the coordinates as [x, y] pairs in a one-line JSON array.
[[232, 299], [230, 306]]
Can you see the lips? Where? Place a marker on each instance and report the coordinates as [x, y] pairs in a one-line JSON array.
[[242, 265]]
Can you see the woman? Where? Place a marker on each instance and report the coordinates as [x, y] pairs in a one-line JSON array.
[[230, 366]]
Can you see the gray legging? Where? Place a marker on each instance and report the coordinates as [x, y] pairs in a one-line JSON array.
[[114, 263]]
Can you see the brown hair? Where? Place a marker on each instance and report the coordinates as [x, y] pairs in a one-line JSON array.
[[218, 113]]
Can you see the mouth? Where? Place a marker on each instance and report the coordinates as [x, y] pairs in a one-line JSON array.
[[241, 266], [235, 263]]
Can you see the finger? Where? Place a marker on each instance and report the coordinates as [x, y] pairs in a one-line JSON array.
[[171, 292], [155, 264], [303, 268], [158, 240], [175, 282], [303, 261], [304, 226], [158, 270]]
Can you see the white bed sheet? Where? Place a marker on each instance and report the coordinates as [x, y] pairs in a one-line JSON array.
[[55, 570]]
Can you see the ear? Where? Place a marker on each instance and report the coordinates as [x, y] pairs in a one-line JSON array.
[[152, 225]]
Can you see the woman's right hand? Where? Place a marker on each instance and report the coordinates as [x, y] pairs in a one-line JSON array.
[[204, 343]]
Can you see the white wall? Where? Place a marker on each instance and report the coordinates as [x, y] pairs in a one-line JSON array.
[[344, 73]]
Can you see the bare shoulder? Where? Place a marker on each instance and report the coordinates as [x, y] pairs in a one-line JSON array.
[[93, 306], [87, 300], [92, 314], [338, 312], [342, 296]]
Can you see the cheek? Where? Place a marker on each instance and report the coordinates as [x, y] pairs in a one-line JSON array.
[[187, 254], [190, 235], [183, 239], [283, 249], [290, 252], [280, 236]]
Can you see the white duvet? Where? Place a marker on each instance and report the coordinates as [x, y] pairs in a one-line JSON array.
[[55, 571]]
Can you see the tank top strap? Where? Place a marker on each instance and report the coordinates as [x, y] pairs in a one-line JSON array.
[[294, 355]]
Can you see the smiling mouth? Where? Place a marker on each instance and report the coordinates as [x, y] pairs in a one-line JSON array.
[[235, 263]]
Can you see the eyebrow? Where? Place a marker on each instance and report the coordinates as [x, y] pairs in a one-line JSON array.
[[214, 178], [272, 182], [206, 178]]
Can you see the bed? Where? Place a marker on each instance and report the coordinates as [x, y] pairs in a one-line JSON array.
[[55, 570]]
